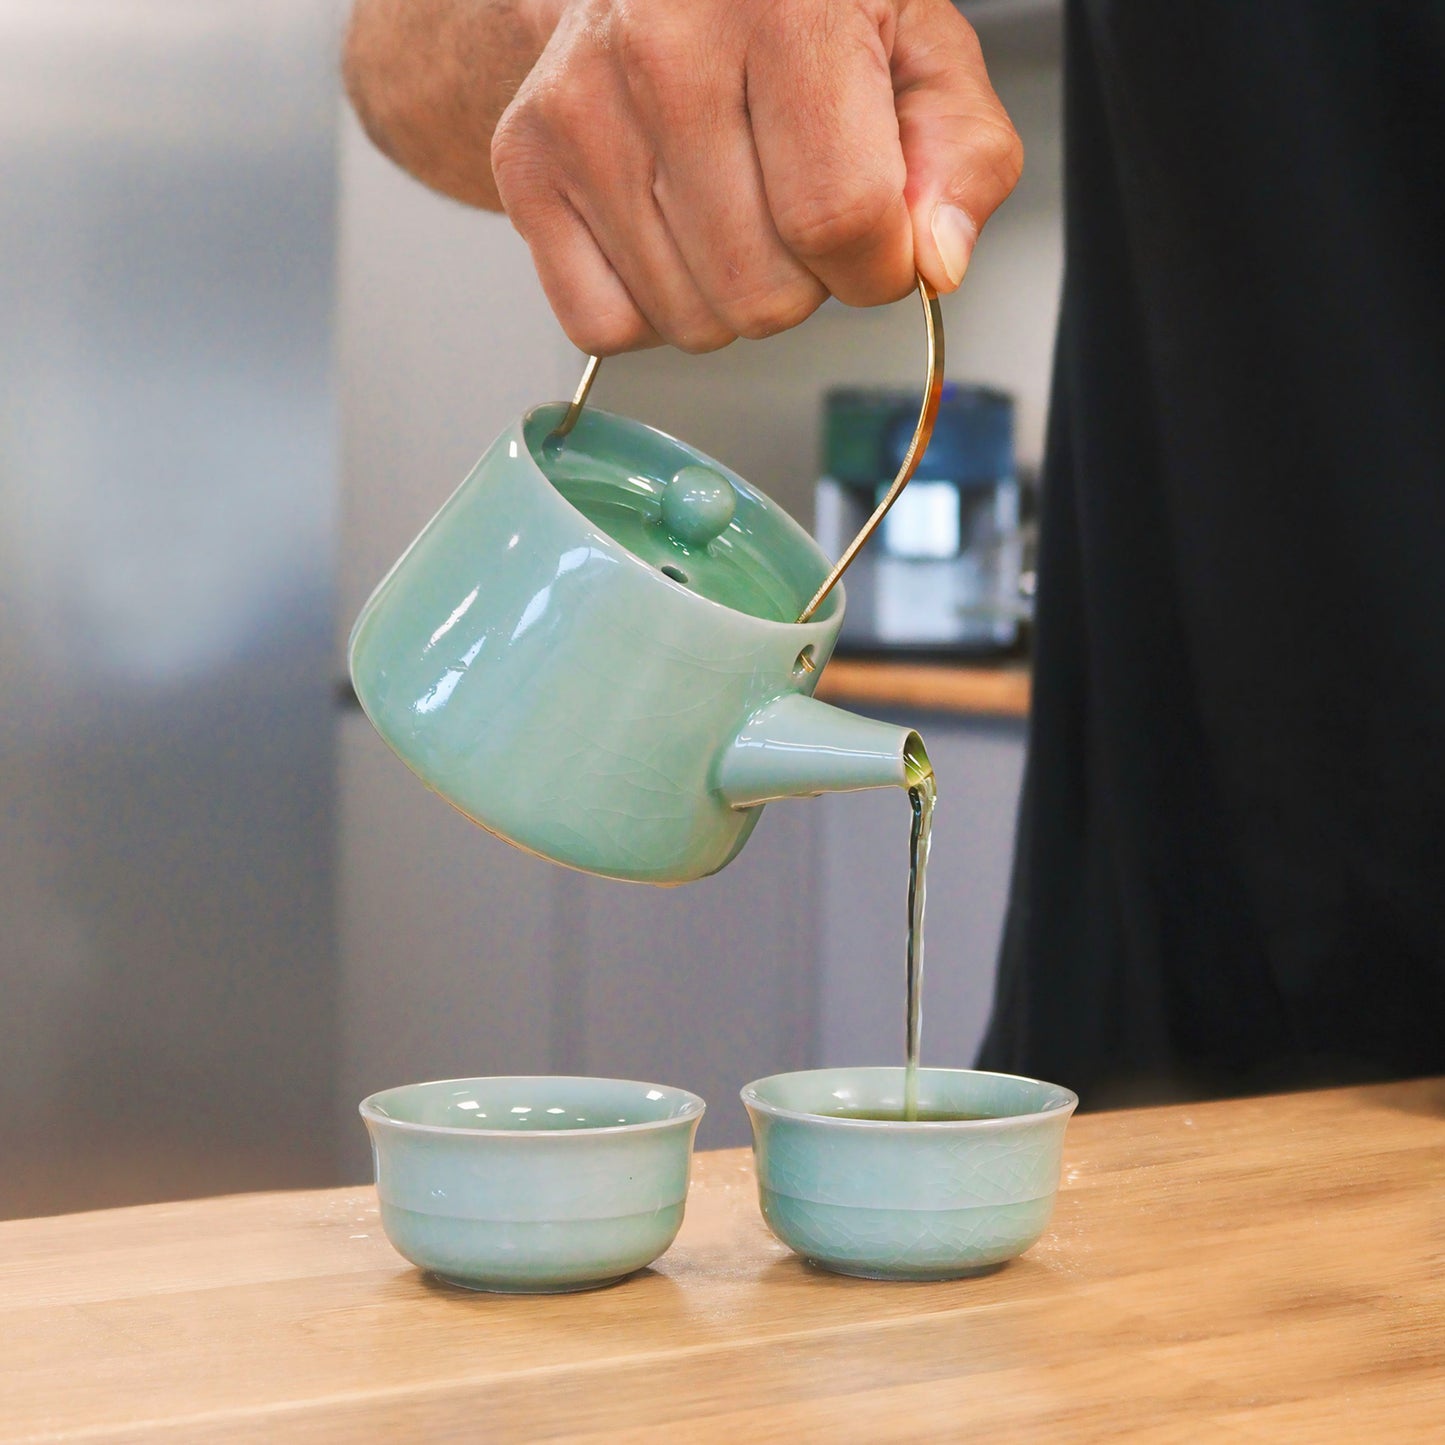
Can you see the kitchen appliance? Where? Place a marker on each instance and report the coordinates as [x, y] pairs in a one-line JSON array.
[[943, 576], [167, 499]]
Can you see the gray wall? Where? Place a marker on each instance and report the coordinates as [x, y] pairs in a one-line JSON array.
[[166, 487]]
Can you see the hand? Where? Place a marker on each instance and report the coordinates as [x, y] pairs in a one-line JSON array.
[[691, 171]]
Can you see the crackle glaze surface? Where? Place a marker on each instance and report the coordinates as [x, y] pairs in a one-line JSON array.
[[910, 1201], [905, 1243], [532, 1184], [567, 694]]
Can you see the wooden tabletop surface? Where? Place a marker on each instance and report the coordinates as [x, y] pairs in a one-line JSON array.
[[974, 690], [1266, 1269]]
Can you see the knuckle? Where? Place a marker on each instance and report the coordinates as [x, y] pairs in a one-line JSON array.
[[965, 38], [553, 113], [517, 157], [768, 313], [607, 332], [571, 111], [697, 338], [651, 50], [996, 154], [885, 289], [844, 218], [674, 87]]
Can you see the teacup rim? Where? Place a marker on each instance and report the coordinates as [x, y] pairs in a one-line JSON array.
[[1063, 1107], [693, 1108]]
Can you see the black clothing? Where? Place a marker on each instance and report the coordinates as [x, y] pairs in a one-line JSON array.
[[1231, 862]]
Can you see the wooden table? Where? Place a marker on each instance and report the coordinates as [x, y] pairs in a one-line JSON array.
[[1268, 1269]]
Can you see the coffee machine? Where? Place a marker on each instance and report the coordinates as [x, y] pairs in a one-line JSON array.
[[942, 576]]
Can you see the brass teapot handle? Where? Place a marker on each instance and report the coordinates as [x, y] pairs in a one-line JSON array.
[[927, 415]]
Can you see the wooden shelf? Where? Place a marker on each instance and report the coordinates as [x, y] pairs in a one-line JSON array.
[[1002, 691]]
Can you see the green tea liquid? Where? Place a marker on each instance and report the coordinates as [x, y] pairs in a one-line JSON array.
[[922, 794]]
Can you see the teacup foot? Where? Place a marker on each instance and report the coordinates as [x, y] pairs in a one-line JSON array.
[[907, 1276], [478, 1286]]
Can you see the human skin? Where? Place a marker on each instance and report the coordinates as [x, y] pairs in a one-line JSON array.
[[691, 171]]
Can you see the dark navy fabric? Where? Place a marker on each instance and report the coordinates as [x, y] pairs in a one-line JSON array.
[[1231, 861]]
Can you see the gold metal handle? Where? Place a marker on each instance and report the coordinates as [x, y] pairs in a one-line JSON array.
[[927, 415], [574, 408]]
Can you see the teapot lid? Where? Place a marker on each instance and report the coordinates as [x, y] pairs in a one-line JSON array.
[[699, 525]]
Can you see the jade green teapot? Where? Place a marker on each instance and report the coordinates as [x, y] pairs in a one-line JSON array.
[[593, 650]]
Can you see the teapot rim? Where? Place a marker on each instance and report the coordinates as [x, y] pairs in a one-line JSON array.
[[827, 619]]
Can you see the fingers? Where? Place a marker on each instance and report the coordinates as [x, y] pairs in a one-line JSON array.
[[586, 294], [622, 168], [820, 97], [708, 188], [633, 235], [693, 173], [589, 298], [962, 153], [573, 172]]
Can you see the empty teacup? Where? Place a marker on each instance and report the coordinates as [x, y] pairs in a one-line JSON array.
[[851, 1184], [532, 1185]]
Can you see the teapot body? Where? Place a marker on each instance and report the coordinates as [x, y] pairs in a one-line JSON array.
[[563, 691]]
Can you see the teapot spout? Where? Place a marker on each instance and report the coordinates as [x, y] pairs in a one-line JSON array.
[[798, 747]]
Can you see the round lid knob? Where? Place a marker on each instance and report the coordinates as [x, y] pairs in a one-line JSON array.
[[696, 505]]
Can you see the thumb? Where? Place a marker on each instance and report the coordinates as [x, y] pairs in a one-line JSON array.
[[962, 153]]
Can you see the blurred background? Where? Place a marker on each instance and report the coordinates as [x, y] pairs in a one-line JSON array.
[[242, 361]]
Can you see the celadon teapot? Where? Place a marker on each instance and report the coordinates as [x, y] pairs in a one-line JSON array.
[[594, 650]]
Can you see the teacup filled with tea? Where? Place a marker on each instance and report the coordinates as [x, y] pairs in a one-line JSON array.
[[858, 1174]]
